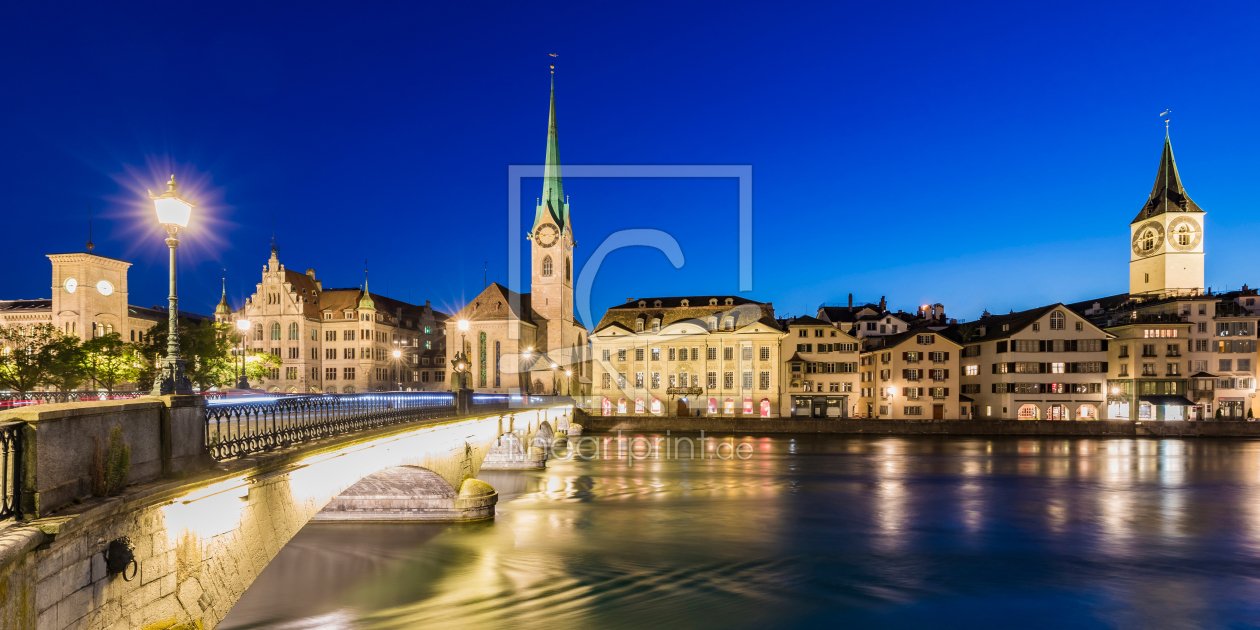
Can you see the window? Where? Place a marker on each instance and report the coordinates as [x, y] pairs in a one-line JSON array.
[[656, 324], [746, 354], [606, 354], [728, 380], [621, 380], [910, 410], [1056, 368], [606, 381], [546, 267], [347, 335], [348, 373], [764, 381], [818, 332], [1174, 369], [330, 374], [671, 354], [348, 353], [1079, 327], [728, 353], [1148, 369], [621, 354], [638, 325], [1056, 320], [330, 353], [971, 370], [1244, 365], [712, 354], [638, 354], [802, 332], [638, 379], [1202, 327], [1227, 365], [926, 340], [290, 373], [1148, 349], [748, 379], [293, 331], [1036, 326], [911, 375], [656, 354], [1124, 369], [1124, 352], [656, 380], [728, 323], [712, 380]]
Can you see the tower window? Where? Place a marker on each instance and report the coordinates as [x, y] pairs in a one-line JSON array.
[[568, 271], [1148, 240], [1148, 278], [546, 270]]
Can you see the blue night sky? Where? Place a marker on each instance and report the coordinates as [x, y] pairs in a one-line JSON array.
[[983, 156]]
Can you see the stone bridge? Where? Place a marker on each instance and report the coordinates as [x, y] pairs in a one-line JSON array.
[[202, 532]]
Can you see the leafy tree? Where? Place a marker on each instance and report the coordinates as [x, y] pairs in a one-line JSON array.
[[109, 361], [25, 355], [206, 348], [66, 370]]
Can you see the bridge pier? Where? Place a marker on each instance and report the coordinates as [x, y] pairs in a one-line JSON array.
[[410, 493]]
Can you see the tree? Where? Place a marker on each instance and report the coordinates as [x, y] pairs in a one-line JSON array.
[[109, 361], [205, 346], [25, 356], [67, 369], [258, 366]]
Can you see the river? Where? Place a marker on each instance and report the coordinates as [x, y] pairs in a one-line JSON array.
[[806, 531]]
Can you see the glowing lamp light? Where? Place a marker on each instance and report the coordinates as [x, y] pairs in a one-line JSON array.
[[554, 366], [242, 324], [1115, 390], [461, 367], [397, 354], [568, 372], [463, 324], [171, 210]]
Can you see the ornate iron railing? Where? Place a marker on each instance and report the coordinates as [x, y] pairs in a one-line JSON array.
[[252, 425], [11, 469], [22, 399]]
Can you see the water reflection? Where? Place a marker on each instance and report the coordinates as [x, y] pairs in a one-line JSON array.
[[812, 530]]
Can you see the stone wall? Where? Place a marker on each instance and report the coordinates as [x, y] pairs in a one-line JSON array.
[[919, 427], [165, 434], [199, 542]]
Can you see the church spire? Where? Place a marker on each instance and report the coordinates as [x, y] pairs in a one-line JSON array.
[[1167, 195], [223, 308], [553, 200]]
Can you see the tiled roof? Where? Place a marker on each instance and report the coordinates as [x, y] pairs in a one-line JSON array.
[[495, 302], [744, 311], [1168, 195], [26, 305], [804, 320]]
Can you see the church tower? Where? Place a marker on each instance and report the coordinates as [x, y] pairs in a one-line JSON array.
[[1166, 237], [551, 247]]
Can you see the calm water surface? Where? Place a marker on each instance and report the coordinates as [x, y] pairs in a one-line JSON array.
[[812, 531]]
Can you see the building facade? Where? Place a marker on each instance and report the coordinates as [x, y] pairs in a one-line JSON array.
[[820, 376], [1047, 363], [340, 340], [910, 376], [706, 355]]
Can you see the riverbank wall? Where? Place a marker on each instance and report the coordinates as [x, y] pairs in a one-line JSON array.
[[1066, 428]]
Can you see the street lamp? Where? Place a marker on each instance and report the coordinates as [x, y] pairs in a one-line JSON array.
[[173, 213], [526, 366], [243, 326], [397, 366], [568, 376]]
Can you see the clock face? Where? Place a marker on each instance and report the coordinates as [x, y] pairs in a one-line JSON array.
[[104, 287], [1184, 234], [71, 285], [546, 236], [1148, 238]]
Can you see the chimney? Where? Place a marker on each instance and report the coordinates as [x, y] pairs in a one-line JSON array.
[[850, 302], [426, 303], [939, 310], [629, 300], [883, 304], [953, 322]]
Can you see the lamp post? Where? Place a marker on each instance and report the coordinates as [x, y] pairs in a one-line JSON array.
[[525, 389], [568, 380], [397, 366], [243, 326], [553, 378], [173, 213]]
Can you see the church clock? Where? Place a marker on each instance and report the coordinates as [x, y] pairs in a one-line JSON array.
[[1184, 234], [546, 235], [1148, 238]]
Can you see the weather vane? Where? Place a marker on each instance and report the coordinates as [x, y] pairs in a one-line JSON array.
[[1166, 115], [553, 68]]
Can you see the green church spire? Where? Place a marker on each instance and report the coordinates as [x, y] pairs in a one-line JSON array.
[[552, 200], [223, 308]]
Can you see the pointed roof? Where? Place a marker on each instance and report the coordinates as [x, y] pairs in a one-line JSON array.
[[552, 200], [223, 308], [366, 302], [1167, 195]]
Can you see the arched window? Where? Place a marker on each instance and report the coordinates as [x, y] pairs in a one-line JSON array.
[[712, 405], [109, 329], [293, 331], [1148, 240], [729, 323], [1184, 236], [1056, 320], [656, 406], [258, 332], [547, 266], [275, 330], [607, 407], [638, 405], [621, 405], [712, 323], [638, 325], [656, 324]]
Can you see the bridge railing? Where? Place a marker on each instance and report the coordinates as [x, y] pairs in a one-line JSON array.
[[10, 469], [251, 425], [22, 399]]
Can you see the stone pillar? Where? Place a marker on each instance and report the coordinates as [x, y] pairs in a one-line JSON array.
[[463, 402]]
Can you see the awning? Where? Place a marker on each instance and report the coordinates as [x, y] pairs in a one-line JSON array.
[[1168, 400], [1202, 375]]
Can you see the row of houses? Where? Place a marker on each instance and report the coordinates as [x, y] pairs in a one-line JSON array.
[[1181, 357]]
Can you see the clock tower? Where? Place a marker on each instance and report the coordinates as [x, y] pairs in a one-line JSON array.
[[551, 248], [1166, 238]]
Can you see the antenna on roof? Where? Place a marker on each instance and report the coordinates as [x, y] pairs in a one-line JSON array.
[[485, 275], [90, 246]]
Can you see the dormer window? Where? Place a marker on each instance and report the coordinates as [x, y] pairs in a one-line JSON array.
[[656, 325], [712, 323], [656, 304], [712, 301], [730, 301], [638, 325], [642, 303], [686, 303], [729, 323], [327, 315], [349, 314]]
